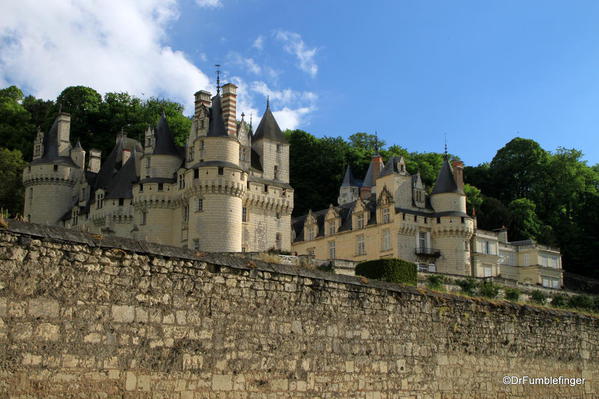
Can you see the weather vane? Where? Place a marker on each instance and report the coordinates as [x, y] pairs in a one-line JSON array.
[[217, 78]]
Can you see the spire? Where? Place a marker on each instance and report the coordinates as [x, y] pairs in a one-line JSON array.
[[348, 179], [446, 156], [217, 78], [269, 128], [267, 102], [376, 143], [216, 127], [164, 143], [446, 182]]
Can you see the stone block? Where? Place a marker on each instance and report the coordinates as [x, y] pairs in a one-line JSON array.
[[130, 381], [222, 382], [123, 313]]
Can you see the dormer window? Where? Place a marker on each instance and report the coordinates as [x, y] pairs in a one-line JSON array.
[[181, 181], [201, 144], [386, 216], [332, 227], [360, 221]]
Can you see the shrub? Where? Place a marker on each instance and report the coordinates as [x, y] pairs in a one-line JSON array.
[[584, 302], [559, 301], [512, 294], [488, 289], [391, 270], [326, 267], [538, 297], [468, 286], [435, 281]]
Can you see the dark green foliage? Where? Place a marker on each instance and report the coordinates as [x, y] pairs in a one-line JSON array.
[[468, 286], [435, 281], [391, 270], [538, 297], [512, 294], [584, 302], [559, 301], [488, 289], [11, 189]]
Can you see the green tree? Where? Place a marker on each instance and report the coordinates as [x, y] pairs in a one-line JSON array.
[[16, 130], [474, 198], [492, 214], [11, 189], [525, 223]]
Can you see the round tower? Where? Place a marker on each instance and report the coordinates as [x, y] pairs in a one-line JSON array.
[[51, 177], [453, 228], [219, 189]]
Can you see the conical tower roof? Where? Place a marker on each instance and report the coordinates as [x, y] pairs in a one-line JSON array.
[[121, 185], [269, 128], [348, 179], [446, 181], [217, 122], [165, 144]]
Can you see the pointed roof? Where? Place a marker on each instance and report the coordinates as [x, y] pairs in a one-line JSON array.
[[269, 128], [392, 166], [348, 179], [109, 166], [369, 178], [165, 144], [216, 126], [445, 181], [50, 143], [121, 185]]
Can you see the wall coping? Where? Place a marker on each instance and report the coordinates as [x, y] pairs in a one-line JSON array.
[[234, 261]]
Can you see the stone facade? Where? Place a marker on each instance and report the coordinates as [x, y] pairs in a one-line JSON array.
[[226, 190], [87, 316], [391, 215]]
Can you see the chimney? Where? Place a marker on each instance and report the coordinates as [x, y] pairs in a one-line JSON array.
[[458, 173], [202, 97], [64, 128], [93, 165], [38, 145], [229, 103], [502, 234], [378, 165]]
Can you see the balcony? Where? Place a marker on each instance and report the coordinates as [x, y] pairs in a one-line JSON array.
[[430, 252]]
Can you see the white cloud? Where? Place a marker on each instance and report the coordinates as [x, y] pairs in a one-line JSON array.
[[258, 43], [285, 96], [293, 44], [107, 45], [209, 3], [247, 63], [291, 118]]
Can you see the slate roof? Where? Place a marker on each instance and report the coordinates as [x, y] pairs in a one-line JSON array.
[[50, 154], [349, 180], [216, 126], [121, 185], [445, 181], [269, 128], [391, 167], [165, 143]]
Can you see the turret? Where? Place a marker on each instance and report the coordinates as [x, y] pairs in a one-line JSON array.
[[51, 177], [78, 155], [350, 188], [372, 174], [272, 147], [162, 157], [448, 193]]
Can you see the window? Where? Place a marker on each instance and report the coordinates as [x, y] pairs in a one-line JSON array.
[[121, 201], [200, 204], [487, 248], [266, 188], [276, 172], [332, 254], [549, 282], [147, 162], [425, 220], [160, 186], [386, 218], [311, 232], [99, 201], [332, 227], [360, 247], [278, 240], [360, 221], [144, 217], [487, 270], [438, 220], [202, 145], [185, 213], [190, 153], [416, 218], [55, 168], [141, 188], [244, 214], [422, 240], [386, 244], [278, 148], [196, 243], [463, 220], [403, 216], [221, 170], [75, 217], [526, 260], [181, 181]]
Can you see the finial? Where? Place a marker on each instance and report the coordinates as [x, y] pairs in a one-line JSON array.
[[446, 156], [217, 78], [242, 116], [267, 102], [251, 116], [376, 142]]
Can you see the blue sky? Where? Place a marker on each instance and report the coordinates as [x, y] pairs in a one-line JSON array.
[[480, 72]]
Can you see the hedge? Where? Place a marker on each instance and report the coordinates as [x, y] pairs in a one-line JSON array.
[[391, 270]]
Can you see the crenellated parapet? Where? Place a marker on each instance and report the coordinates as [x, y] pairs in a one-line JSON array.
[[50, 174]]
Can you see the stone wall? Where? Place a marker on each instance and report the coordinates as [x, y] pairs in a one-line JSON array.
[[85, 316]]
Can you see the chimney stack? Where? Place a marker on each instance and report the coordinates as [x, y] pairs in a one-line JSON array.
[[64, 129], [202, 97], [458, 173], [93, 164], [126, 155], [229, 103]]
